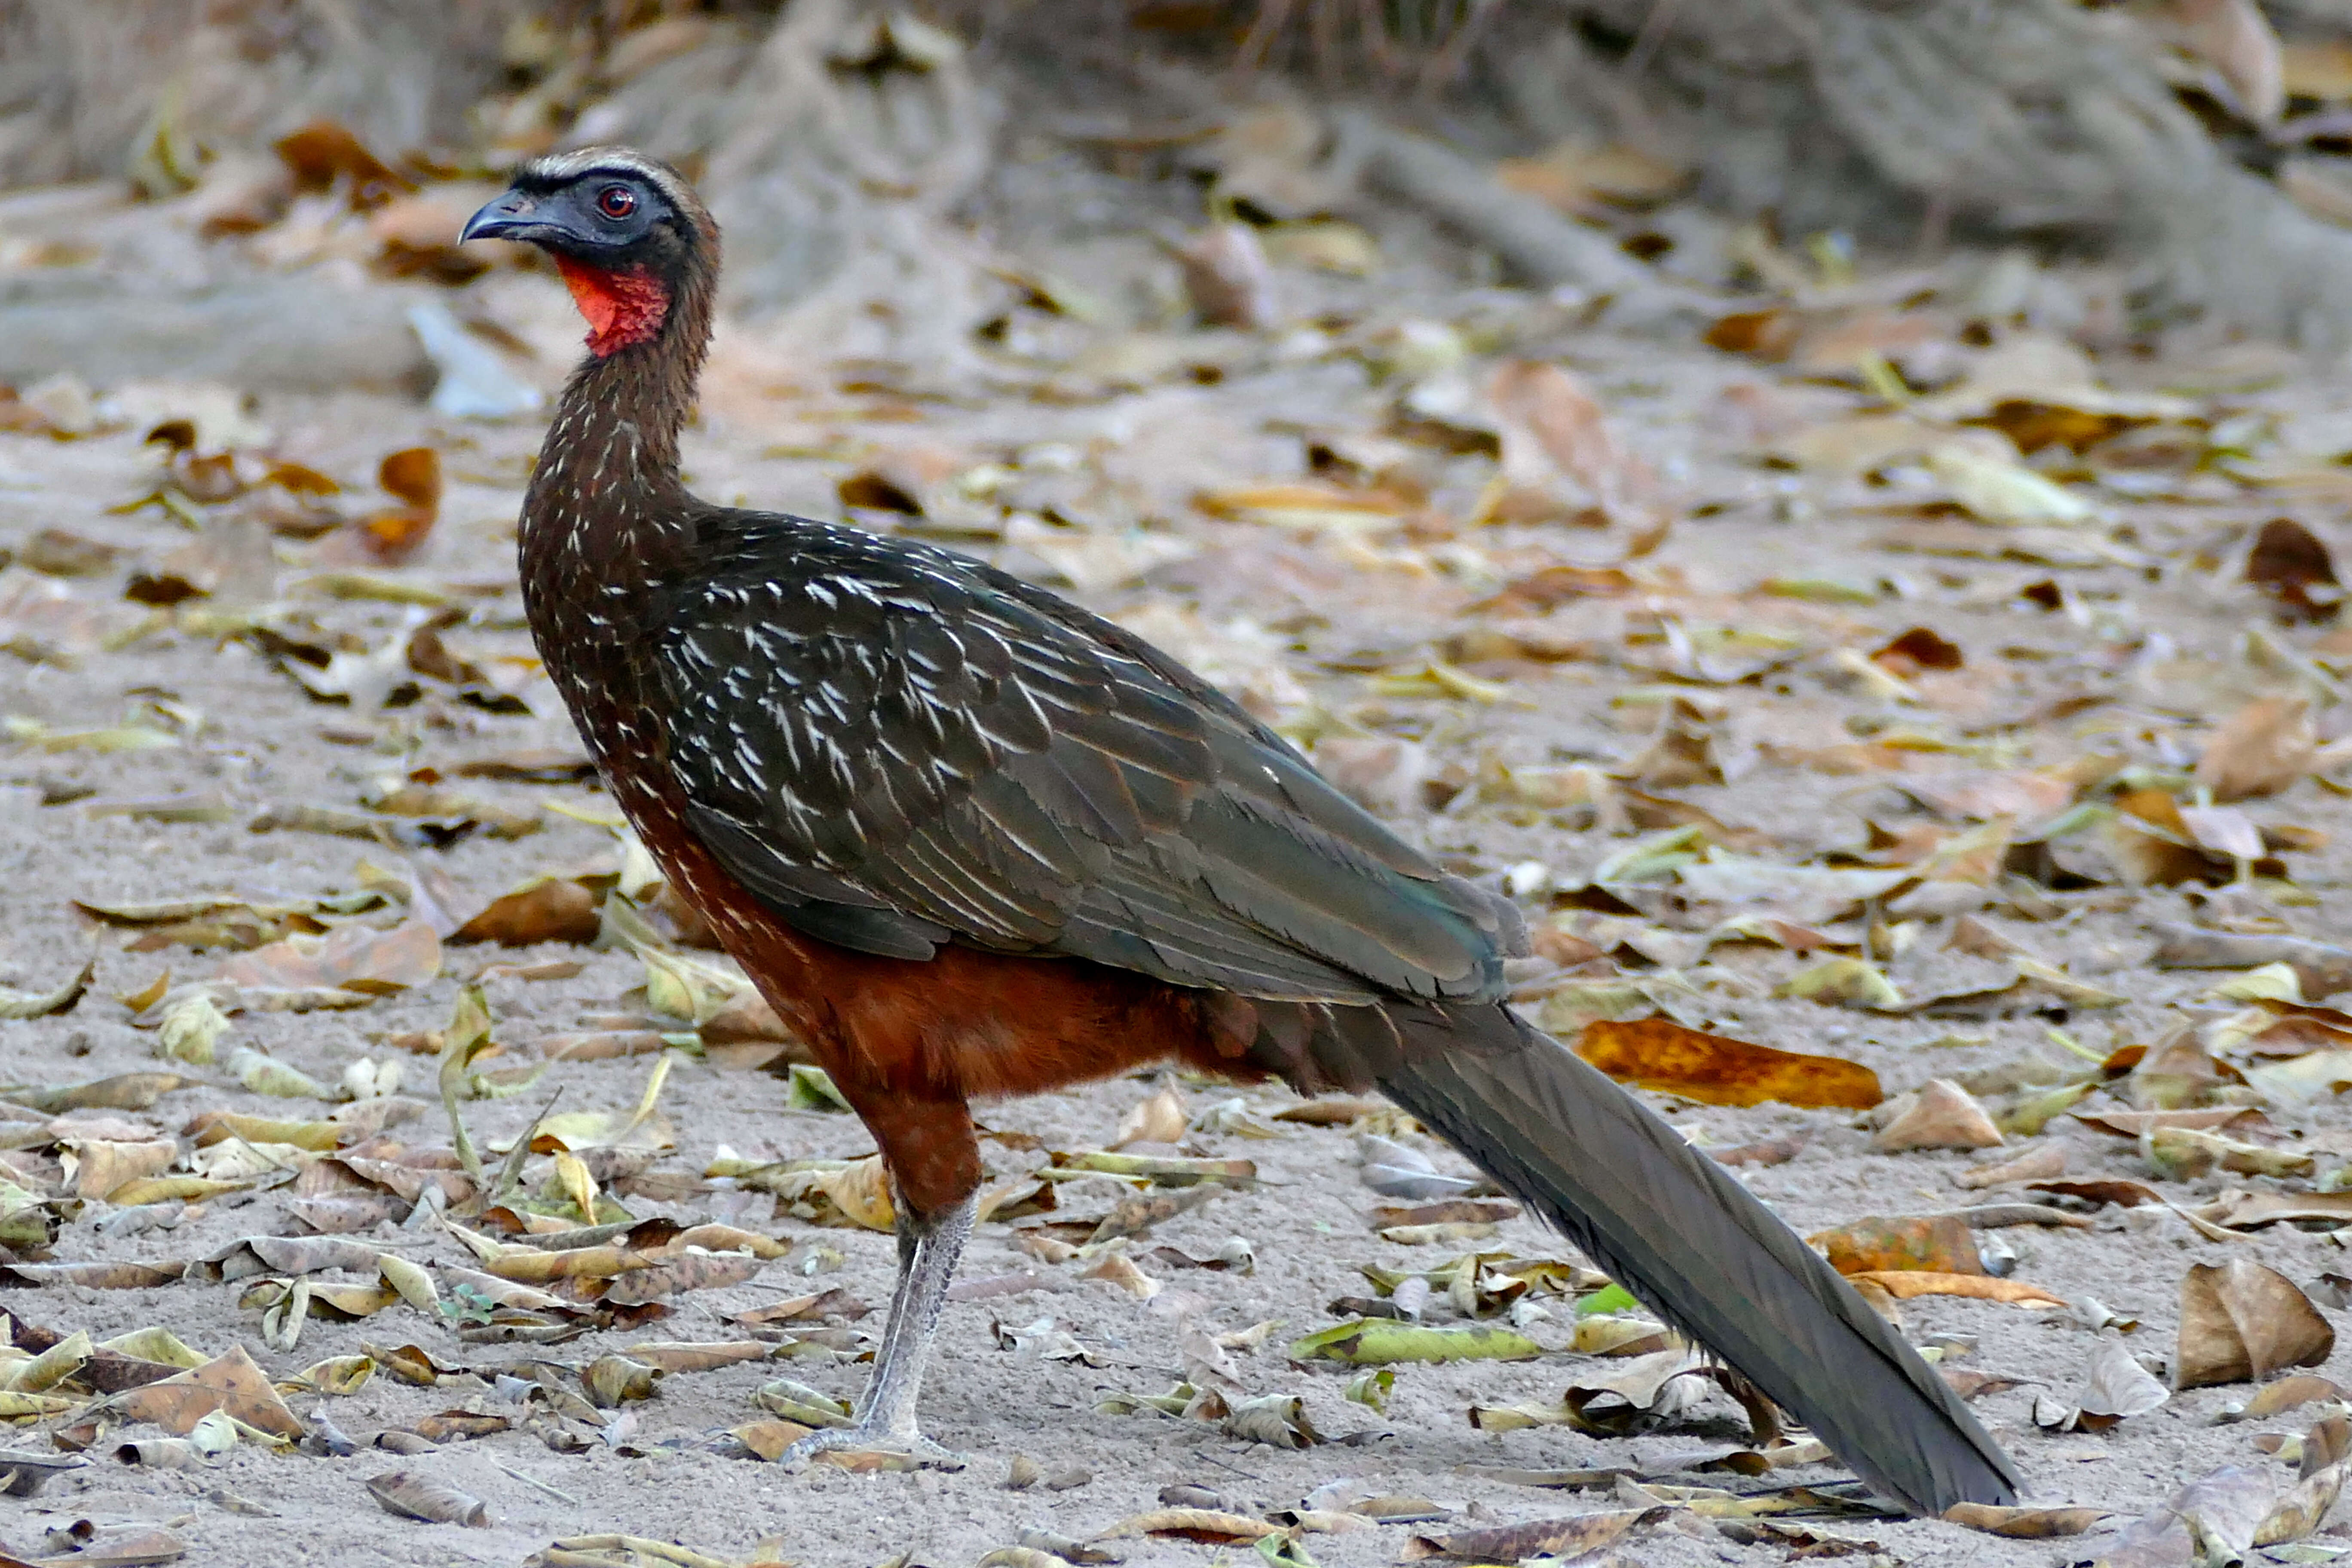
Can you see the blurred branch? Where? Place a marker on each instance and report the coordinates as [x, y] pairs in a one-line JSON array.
[[1535, 241]]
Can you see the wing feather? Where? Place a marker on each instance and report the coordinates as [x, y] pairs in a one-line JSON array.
[[895, 747]]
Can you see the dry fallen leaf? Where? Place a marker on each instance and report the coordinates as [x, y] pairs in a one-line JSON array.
[[412, 476], [1206, 1525], [645, 1126], [2290, 1393], [1120, 1271], [120, 1546], [1277, 1420], [97, 1167], [2204, 1118], [1572, 1537], [676, 1357], [1560, 458], [2240, 1322], [210, 1127], [123, 1276], [1227, 277], [230, 1382], [1159, 1119], [118, 1091], [2041, 1163], [17, 1005], [1904, 1284], [1918, 650], [1651, 1384], [2114, 1388], [2294, 567], [2245, 1212], [2167, 1534], [545, 909], [460, 1425], [613, 1380], [354, 958], [2264, 748], [1767, 334], [322, 152], [2319, 1482], [410, 1495], [2025, 1523], [1938, 1243], [2184, 1154], [1943, 1116], [852, 1191], [1689, 747], [2153, 846], [1764, 1152], [1657, 1053]]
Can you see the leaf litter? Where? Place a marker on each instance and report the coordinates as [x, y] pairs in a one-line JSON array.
[[1751, 777]]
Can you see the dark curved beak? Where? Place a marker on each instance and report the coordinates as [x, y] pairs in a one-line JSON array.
[[513, 216]]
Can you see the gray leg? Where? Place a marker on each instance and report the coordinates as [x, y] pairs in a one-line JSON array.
[[928, 1247]]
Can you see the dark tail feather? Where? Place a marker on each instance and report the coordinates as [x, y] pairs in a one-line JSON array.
[[1674, 1228]]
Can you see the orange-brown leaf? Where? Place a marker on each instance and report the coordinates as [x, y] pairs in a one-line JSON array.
[[1659, 1054], [2293, 566], [354, 958], [1920, 648], [1767, 334], [393, 534], [1936, 1244], [412, 474], [553, 909], [323, 152]]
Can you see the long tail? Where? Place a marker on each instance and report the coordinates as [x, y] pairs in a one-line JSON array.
[[1674, 1228]]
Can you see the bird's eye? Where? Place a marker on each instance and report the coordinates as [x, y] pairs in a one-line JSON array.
[[616, 201]]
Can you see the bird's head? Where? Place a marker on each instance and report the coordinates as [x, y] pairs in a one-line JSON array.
[[625, 231]]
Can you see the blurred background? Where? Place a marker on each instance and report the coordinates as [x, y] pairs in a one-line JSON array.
[[919, 185]]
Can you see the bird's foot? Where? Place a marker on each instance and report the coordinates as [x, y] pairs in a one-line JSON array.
[[864, 1447]]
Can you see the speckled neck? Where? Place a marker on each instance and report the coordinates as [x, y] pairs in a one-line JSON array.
[[605, 506]]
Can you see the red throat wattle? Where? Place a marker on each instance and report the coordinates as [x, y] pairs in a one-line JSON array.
[[622, 308]]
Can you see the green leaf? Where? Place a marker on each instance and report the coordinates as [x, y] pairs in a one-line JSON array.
[[684, 987], [1283, 1550], [1607, 1299], [1820, 590], [1657, 855], [467, 1036], [1164, 1171], [810, 1088], [1846, 982], [1374, 1342], [2026, 1118], [469, 1304]]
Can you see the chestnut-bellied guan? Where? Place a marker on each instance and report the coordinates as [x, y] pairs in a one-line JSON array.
[[971, 840]]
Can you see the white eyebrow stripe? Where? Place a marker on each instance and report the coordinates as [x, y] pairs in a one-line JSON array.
[[558, 167]]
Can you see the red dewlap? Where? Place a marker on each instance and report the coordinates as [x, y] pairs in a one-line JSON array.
[[622, 308]]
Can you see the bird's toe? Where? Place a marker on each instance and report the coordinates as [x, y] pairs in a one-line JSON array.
[[870, 1448]]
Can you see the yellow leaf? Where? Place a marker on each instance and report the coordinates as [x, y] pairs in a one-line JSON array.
[[1907, 1283]]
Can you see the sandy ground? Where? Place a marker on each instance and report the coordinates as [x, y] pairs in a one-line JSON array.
[[2158, 634]]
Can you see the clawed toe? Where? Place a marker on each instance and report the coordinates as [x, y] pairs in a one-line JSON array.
[[870, 1448]]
